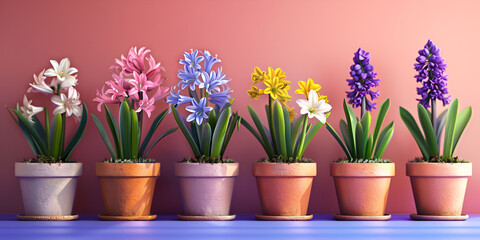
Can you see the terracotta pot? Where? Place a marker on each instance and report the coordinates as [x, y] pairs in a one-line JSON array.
[[206, 188], [362, 188], [439, 188], [127, 188], [284, 188], [48, 189]]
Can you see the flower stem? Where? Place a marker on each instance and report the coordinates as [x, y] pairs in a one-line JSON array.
[[270, 123], [364, 106], [302, 138], [434, 114], [62, 140]]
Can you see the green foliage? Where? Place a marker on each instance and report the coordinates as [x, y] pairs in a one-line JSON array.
[[358, 144], [47, 142], [209, 140], [428, 141], [127, 135], [283, 141]]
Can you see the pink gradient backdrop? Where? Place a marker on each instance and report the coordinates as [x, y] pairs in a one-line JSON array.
[[306, 38]]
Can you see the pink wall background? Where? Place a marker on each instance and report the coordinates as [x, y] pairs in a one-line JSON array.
[[306, 38]]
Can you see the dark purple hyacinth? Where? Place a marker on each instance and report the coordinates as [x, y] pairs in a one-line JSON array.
[[363, 79], [431, 67]]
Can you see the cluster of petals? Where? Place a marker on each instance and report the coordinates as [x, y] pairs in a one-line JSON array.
[[132, 79]]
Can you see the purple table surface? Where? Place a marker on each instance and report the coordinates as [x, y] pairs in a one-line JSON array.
[[165, 227]]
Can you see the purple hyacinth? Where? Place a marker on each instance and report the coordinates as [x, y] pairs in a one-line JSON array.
[[363, 79], [431, 67]]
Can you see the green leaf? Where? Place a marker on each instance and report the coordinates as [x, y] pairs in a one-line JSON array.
[[219, 132], [351, 123], [288, 131], [412, 126], [212, 119], [114, 131], [166, 133], [195, 134], [346, 136], [37, 125], [47, 129], [297, 123], [206, 139], [253, 132], [35, 137], [462, 121], [29, 138], [383, 142], [366, 121], [450, 129], [125, 123], [271, 127], [369, 149], [359, 141], [279, 123], [234, 122], [340, 142], [104, 136], [430, 137], [311, 133], [135, 131], [441, 120], [183, 127], [57, 135], [258, 123], [78, 134], [151, 131], [381, 116]]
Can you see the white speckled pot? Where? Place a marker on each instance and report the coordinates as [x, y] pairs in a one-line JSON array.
[[48, 189]]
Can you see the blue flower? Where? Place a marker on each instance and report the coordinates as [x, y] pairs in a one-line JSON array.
[[213, 81], [177, 99], [221, 97], [431, 67], [189, 77], [192, 60], [199, 110], [363, 79], [209, 61]]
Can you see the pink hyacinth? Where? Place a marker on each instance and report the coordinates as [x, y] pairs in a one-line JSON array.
[[133, 80]]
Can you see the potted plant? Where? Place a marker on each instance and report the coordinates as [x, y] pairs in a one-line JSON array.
[[362, 177], [207, 179], [48, 182], [128, 177], [438, 181], [284, 178]]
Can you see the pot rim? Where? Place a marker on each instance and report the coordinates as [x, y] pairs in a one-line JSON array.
[[183, 169], [429, 169], [362, 169], [29, 169], [106, 169], [269, 169]]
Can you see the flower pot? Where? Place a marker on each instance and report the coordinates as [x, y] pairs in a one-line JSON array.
[[362, 189], [48, 189], [206, 189], [439, 188], [127, 189], [284, 189]]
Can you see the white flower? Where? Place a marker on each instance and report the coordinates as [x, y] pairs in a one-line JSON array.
[[63, 72], [28, 110], [39, 84], [313, 107], [70, 105]]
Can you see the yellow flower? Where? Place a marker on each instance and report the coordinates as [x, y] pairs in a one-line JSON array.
[[255, 92], [285, 98], [291, 113], [305, 87], [280, 74], [322, 97], [258, 75], [275, 88]]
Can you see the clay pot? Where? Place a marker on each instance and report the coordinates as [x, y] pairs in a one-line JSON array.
[[362, 188], [206, 188], [439, 188], [48, 189], [127, 188], [284, 188]]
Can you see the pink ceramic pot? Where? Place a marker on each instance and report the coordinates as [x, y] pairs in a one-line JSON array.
[[206, 188]]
